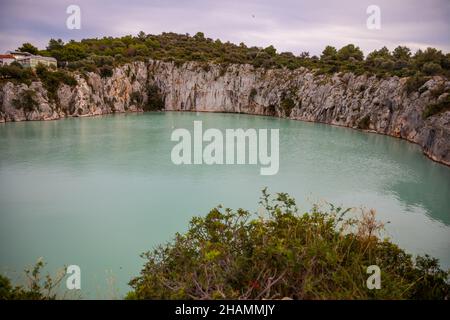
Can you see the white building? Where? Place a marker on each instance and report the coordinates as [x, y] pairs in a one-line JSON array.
[[29, 60], [6, 59]]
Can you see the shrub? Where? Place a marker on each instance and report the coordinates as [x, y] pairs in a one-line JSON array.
[[37, 288], [252, 94], [136, 97], [155, 101], [438, 90], [53, 79], [282, 253], [106, 71], [431, 68], [16, 72], [26, 100], [287, 104], [436, 108], [364, 123], [415, 82]]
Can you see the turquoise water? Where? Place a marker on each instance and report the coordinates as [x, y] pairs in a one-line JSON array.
[[97, 192]]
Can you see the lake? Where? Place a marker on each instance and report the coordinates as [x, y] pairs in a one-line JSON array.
[[97, 192]]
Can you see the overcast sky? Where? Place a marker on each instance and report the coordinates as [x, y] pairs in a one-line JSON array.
[[290, 25]]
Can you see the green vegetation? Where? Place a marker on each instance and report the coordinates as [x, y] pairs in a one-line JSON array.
[[36, 289], [155, 100], [93, 54], [252, 94], [282, 253], [28, 47], [16, 73], [364, 123], [436, 108], [287, 104], [26, 100], [136, 97], [106, 71], [101, 55], [52, 79], [277, 253], [415, 82]]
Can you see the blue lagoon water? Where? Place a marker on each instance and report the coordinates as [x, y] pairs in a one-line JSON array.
[[97, 192]]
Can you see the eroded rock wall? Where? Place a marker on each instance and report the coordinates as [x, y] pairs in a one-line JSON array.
[[379, 105]]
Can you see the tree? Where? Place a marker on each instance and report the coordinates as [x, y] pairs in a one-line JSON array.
[[141, 35], [382, 53], [151, 43], [271, 50], [127, 40], [381, 60], [329, 53], [401, 53], [72, 51], [304, 55], [54, 45], [429, 55], [28, 47], [349, 52], [431, 68], [199, 36], [180, 48]]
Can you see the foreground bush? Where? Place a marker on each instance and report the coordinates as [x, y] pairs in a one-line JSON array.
[[37, 287], [281, 253]]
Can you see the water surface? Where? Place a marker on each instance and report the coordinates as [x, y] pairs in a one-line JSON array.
[[99, 191]]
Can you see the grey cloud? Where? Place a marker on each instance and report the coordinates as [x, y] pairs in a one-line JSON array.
[[287, 24]]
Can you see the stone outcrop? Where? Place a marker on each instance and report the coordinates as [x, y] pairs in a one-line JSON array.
[[361, 102]]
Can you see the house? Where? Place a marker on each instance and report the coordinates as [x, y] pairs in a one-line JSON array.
[[19, 55], [29, 60], [32, 61], [6, 59]]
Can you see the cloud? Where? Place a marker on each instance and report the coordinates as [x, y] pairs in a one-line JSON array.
[[290, 25]]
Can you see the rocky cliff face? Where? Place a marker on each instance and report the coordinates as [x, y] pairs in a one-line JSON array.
[[368, 103]]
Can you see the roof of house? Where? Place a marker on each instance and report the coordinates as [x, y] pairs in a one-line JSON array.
[[26, 55], [20, 53]]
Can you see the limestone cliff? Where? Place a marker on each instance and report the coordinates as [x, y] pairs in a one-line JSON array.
[[378, 105]]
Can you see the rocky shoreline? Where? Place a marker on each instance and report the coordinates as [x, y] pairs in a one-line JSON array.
[[377, 105]]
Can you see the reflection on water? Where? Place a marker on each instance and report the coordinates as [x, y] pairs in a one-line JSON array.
[[99, 191], [421, 183]]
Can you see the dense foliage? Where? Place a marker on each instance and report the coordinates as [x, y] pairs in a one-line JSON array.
[[50, 77], [16, 72], [95, 54], [281, 253]]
